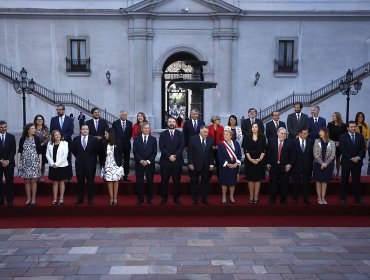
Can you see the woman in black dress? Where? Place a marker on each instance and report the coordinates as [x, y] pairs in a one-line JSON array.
[[336, 129], [254, 146], [324, 154], [229, 155], [56, 154], [42, 131]]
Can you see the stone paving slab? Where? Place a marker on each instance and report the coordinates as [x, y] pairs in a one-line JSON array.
[[185, 253]]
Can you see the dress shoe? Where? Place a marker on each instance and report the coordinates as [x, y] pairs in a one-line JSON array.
[[140, 202], [232, 201], [205, 202], [78, 202], [1, 203], [283, 202], [177, 201], [342, 202], [195, 202], [10, 204], [307, 202], [271, 202], [360, 202], [295, 202], [163, 202], [91, 202], [150, 202]]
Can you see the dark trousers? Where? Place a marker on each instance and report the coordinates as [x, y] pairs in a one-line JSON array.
[[277, 175], [85, 174], [301, 179], [166, 172], [149, 173], [217, 163], [9, 175], [126, 161], [205, 175], [355, 171], [101, 153]]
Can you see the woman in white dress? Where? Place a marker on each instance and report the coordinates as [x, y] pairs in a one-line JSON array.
[[112, 170]]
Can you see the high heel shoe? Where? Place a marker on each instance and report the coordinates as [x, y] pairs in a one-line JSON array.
[[256, 201], [33, 203], [251, 201], [61, 202], [115, 202], [54, 202], [28, 203]]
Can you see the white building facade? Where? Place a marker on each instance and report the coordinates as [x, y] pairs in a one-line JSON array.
[[295, 46]]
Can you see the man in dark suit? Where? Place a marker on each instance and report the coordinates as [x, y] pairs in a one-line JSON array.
[[273, 125], [84, 148], [278, 158], [81, 119], [247, 124], [97, 127], [65, 125], [315, 122], [145, 151], [7, 164], [123, 131], [352, 146], [302, 162], [297, 121], [192, 126], [201, 162], [171, 145]]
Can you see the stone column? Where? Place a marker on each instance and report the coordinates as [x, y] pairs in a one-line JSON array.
[[224, 34], [140, 62]]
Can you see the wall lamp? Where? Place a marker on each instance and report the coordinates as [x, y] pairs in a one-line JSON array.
[[107, 75], [257, 77], [185, 11]]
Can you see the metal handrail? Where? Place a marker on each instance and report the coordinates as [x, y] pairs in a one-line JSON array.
[[314, 96], [58, 97]]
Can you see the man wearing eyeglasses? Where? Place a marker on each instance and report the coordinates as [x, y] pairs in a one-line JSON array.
[[65, 125]]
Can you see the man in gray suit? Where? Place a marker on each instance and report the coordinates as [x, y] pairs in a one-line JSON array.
[[297, 121]]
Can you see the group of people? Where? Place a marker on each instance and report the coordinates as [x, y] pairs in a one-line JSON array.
[[302, 148]]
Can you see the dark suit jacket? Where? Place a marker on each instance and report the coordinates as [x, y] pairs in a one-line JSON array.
[[168, 148], [247, 126], [201, 159], [350, 150], [313, 131], [123, 137], [8, 151], [301, 162], [87, 156], [66, 130], [271, 131], [189, 131], [144, 153], [102, 126], [117, 153], [273, 152], [294, 126]]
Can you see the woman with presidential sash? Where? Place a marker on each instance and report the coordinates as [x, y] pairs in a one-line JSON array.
[[229, 155]]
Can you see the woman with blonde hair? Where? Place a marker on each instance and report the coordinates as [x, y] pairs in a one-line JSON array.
[[324, 155]]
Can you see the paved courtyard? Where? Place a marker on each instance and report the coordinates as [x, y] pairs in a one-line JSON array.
[[185, 253]]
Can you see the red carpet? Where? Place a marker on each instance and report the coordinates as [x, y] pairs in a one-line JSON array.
[[128, 214]]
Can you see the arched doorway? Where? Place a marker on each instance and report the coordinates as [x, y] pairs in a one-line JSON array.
[[178, 102]]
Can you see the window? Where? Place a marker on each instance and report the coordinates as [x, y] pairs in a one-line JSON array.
[[78, 59], [286, 61]]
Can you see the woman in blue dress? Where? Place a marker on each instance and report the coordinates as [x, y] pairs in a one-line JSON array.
[[229, 155]]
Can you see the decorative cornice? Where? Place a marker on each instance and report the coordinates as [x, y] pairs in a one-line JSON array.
[[223, 34]]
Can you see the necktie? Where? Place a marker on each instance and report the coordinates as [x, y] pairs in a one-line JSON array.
[[252, 121], [195, 125], [84, 142], [61, 122], [124, 126], [298, 117], [353, 137], [204, 144], [279, 150], [145, 141], [3, 139], [277, 125], [96, 125], [171, 134], [302, 146]]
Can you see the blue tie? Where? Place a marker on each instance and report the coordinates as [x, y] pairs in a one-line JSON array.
[[84, 142], [302, 146], [353, 137], [124, 126], [61, 122]]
